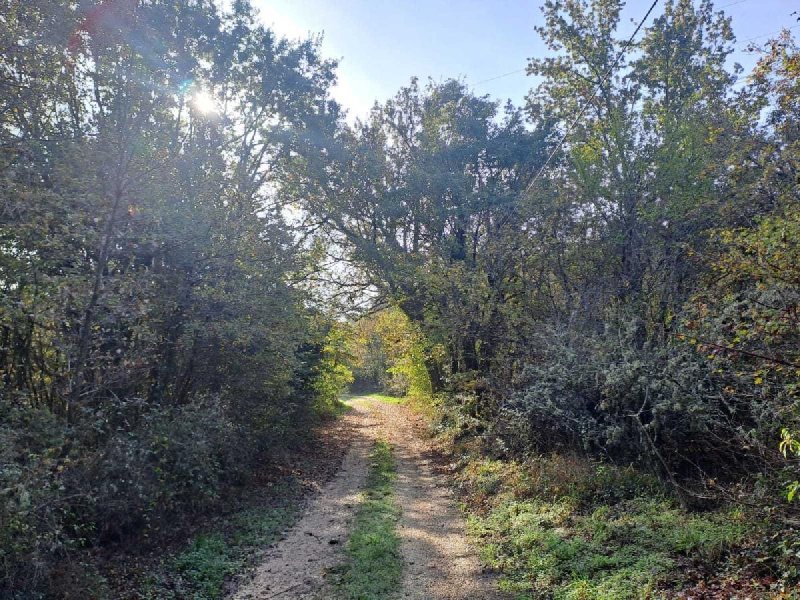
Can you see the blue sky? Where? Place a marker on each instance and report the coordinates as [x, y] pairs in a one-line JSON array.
[[382, 43]]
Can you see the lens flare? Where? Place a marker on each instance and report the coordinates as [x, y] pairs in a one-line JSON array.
[[204, 102]]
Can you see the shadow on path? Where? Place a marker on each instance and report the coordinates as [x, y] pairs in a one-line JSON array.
[[439, 564]]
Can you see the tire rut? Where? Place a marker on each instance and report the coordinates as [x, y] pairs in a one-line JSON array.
[[439, 564], [295, 567]]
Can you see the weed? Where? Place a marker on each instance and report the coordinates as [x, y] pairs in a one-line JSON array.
[[586, 542], [200, 571], [374, 566], [205, 565]]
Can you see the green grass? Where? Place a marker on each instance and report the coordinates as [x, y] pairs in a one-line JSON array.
[[548, 549], [379, 397], [554, 528], [388, 399], [200, 571], [205, 565], [562, 527], [374, 567]]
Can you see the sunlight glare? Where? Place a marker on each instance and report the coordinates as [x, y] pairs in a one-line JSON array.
[[204, 102]]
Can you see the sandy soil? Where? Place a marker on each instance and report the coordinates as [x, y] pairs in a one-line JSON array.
[[439, 564]]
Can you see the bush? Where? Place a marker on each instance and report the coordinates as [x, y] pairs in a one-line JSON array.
[[611, 395], [552, 477], [34, 505], [176, 459], [59, 494]]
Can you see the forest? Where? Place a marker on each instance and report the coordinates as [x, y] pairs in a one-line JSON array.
[[199, 253]]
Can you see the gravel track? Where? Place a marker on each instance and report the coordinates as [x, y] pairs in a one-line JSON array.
[[439, 564]]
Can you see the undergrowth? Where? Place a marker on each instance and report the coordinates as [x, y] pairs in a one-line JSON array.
[[564, 527], [374, 568], [201, 571], [550, 549]]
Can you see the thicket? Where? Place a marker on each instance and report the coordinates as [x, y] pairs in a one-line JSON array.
[[155, 339], [621, 285]]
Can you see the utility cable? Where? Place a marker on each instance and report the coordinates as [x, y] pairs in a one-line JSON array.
[[496, 77], [583, 109], [517, 71]]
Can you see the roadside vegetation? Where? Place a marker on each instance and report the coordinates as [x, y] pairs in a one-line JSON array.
[[570, 526], [374, 567], [563, 527], [155, 346], [602, 313], [213, 559]]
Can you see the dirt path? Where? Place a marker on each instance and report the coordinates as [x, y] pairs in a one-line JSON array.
[[439, 564], [295, 567]]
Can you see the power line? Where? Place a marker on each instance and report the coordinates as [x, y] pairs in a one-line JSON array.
[[763, 35], [581, 112], [517, 71], [730, 4], [500, 76]]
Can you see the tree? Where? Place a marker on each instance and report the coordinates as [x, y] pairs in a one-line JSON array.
[[149, 324], [423, 195]]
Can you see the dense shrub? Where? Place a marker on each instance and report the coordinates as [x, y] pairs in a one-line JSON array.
[[59, 495], [661, 407], [154, 339]]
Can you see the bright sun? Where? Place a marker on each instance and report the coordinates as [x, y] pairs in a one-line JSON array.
[[204, 102]]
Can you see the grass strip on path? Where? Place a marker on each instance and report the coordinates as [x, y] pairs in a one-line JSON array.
[[374, 568], [388, 399], [375, 396]]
